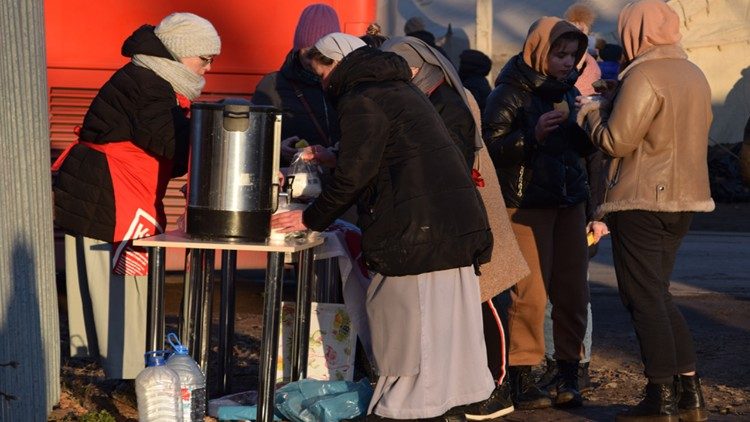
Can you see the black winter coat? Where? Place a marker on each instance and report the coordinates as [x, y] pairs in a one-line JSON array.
[[134, 105], [457, 118], [418, 208], [534, 174], [280, 89]]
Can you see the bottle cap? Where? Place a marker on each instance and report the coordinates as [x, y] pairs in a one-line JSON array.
[[155, 357], [178, 348]]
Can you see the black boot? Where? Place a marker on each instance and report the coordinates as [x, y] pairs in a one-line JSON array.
[[584, 380], [659, 405], [525, 394], [568, 394], [548, 380], [497, 404], [691, 406]]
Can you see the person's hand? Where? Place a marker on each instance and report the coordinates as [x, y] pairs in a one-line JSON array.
[[287, 147], [606, 88], [287, 222], [582, 100], [598, 229], [548, 122], [322, 155]]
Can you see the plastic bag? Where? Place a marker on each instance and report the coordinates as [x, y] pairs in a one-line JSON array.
[[304, 179], [311, 400]]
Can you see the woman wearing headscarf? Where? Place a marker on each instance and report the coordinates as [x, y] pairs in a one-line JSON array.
[[657, 132], [455, 104], [537, 147], [295, 89], [424, 233], [436, 77], [111, 183]]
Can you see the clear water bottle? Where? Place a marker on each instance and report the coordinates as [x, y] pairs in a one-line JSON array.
[[157, 388], [192, 381]]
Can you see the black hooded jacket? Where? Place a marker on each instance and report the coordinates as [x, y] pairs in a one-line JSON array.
[[135, 105], [533, 174], [283, 89], [473, 70], [418, 208]]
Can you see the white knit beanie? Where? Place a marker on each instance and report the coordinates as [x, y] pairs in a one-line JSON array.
[[188, 35]]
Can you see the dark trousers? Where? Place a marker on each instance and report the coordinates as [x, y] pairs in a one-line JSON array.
[[644, 247]]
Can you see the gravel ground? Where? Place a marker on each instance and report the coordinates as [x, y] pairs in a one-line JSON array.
[[720, 326]]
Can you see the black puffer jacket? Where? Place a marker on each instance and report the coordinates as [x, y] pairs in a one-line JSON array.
[[457, 118], [135, 105], [419, 209], [279, 89], [473, 70], [533, 174]]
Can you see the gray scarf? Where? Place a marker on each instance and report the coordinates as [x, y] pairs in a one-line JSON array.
[[418, 54], [182, 79]]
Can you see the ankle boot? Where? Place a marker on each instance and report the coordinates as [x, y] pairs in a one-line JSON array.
[[659, 405], [568, 394], [525, 394], [548, 380], [584, 380], [691, 406]]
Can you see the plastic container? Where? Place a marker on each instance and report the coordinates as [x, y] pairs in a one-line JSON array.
[[192, 381], [157, 388]]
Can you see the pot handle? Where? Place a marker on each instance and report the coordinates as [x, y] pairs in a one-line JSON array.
[[275, 188]]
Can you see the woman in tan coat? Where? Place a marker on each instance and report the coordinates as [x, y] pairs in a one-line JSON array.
[[657, 130]]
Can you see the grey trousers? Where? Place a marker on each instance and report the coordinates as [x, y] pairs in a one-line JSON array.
[[428, 343], [549, 341], [106, 312]]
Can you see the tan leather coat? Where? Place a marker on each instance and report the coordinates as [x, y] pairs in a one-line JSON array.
[[657, 132]]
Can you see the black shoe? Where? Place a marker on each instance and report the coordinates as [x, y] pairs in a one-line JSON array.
[[496, 405], [690, 406], [659, 405], [523, 392], [375, 418], [448, 417], [584, 380], [568, 394], [548, 380]]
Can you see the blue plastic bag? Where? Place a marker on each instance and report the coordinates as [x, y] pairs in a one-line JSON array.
[[311, 400]]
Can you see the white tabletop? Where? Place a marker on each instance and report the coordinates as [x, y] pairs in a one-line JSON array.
[[178, 239]]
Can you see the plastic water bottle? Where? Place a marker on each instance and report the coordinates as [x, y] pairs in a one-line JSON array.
[[157, 388], [192, 381]]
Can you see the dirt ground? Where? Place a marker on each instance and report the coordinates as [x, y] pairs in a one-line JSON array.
[[720, 326]]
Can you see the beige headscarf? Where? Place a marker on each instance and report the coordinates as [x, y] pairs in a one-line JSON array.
[[542, 34], [647, 23]]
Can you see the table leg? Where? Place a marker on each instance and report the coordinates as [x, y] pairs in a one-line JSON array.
[[197, 256], [207, 270], [188, 299], [269, 346], [155, 299], [301, 333], [226, 320]]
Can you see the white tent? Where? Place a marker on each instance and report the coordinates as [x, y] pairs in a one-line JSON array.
[[716, 35]]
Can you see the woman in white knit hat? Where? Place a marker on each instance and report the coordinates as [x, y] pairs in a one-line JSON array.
[[111, 183]]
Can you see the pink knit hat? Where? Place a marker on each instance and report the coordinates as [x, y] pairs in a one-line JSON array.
[[316, 21]]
